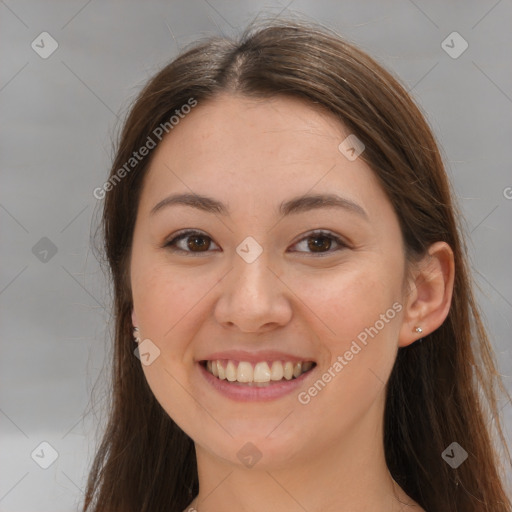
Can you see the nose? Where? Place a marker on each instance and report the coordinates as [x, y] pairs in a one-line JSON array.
[[253, 298]]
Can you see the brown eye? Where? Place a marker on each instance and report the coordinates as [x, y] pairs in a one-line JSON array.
[[190, 242], [198, 242], [321, 243]]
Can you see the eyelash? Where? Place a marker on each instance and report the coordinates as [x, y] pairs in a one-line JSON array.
[[171, 244]]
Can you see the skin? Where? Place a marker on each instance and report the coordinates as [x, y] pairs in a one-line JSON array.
[[252, 155]]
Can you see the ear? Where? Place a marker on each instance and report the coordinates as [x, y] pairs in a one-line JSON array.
[[134, 318], [430, 294]]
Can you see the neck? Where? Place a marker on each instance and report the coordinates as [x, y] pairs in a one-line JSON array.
[[350, 476]]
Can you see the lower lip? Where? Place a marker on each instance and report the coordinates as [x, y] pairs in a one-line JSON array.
[[244, 393]]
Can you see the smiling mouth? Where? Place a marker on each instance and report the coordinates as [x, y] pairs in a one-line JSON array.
[[263, 373]]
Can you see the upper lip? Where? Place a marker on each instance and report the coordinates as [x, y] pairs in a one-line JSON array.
[[254, 357]]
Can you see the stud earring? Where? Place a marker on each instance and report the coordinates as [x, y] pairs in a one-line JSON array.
[[419, 330], [136, 334]]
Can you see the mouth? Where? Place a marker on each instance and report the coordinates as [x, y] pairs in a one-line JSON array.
[[256, 374]]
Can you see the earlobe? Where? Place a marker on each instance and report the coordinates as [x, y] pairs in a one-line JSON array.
[[429, 300], [136, 333]]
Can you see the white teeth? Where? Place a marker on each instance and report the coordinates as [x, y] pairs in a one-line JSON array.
[[244, 372], [276, 372], [288, 370], [220, 370], [261, 372], [231, 371]]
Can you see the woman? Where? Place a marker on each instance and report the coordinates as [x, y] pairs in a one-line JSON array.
[[288, 270]]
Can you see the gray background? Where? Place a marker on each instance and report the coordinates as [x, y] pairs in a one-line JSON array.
[[58, 118]]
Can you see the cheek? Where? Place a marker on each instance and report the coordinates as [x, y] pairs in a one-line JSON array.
[[348, 301], [166, 302], [358, 318], [164, 296], [360, 346]]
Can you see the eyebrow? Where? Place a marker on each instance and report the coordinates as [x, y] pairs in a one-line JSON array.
[[293, 206]]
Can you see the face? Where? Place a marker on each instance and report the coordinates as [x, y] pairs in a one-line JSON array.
[[302, 296]]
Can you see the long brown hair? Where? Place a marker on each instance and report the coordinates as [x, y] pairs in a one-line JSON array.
[[442, 390]]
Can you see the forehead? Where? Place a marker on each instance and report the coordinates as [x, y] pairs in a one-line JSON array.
[[233, 127], [257, 150]]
